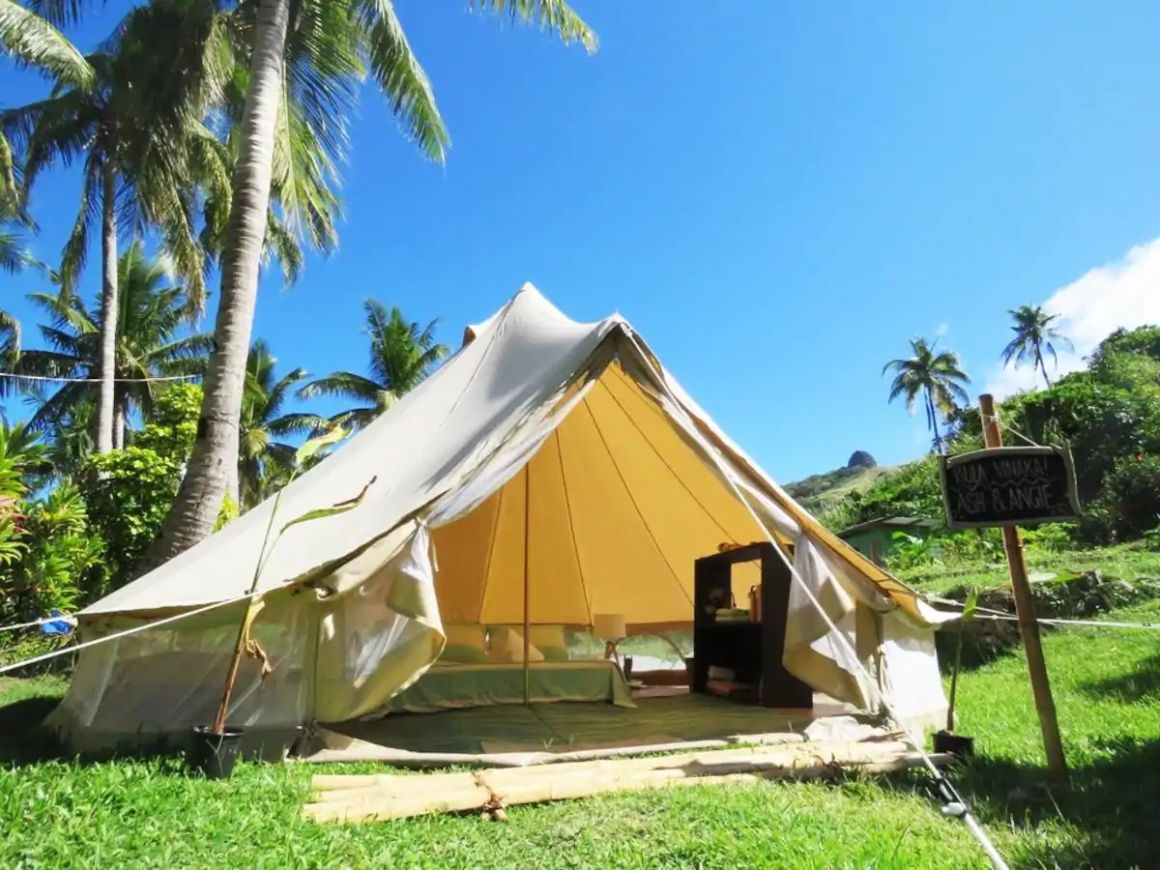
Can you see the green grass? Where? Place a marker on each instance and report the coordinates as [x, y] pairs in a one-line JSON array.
[[1128, 562], [1107, 688]]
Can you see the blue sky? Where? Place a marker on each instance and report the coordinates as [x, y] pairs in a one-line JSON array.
[[777, 195]]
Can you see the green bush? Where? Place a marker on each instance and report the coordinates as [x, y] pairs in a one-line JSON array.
[[128, 493], [1129, 505], [63, 562]]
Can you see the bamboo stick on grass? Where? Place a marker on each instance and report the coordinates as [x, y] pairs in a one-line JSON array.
[[373, 804]]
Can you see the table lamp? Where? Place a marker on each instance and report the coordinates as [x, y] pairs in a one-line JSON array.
[[612, 628]]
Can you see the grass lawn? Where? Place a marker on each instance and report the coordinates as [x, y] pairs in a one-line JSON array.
[[1128, 562], [1107, 689]]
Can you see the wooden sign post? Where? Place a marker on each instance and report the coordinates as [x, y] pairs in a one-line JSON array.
[[1025, 612]]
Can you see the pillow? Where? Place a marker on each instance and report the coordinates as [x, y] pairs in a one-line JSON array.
[[463, 654], [507, 646], [547, 635], [549, 639], [465, 635]]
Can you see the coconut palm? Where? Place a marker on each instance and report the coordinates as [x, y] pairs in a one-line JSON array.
[[32, 41], [1035, 333], [936, 376], [136, 128], [317, 53], [402, 355], [151, 344], [264, 462]]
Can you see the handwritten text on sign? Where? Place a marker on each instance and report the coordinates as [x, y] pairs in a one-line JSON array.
[[1006, 486]]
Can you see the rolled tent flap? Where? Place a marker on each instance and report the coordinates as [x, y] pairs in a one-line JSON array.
[[380, 637]]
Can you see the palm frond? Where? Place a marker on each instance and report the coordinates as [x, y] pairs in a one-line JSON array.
[[76, 247], [554, 15], [33, 42], [397, 70], [347, 385], [299, 423]]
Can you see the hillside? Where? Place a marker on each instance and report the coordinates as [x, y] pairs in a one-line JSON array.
[[819, 493]]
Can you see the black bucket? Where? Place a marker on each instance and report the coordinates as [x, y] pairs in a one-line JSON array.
[[214, 755], [955, 744]]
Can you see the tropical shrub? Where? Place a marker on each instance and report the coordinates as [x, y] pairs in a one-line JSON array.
[[63, 562], [1129, 505], [128, 493]]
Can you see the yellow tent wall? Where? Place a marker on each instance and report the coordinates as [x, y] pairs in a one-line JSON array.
[[616, 506]]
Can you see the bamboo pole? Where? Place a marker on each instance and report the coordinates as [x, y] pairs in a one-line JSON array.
[[373, 805], [841, 751], [1025, 613], [219, 722], [527, 585]]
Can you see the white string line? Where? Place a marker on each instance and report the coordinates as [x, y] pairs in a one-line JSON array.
[[44, 620], [955, 804], [988, 613], [62, 380], [134, 630], [1006, 427]]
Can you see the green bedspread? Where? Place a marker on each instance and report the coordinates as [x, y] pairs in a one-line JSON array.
[[446, 687]]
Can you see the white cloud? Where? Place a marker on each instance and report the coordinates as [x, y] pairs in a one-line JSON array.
[[1125, 294], [942, 330]]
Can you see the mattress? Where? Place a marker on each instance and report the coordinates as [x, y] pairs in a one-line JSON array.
[[454, 686]]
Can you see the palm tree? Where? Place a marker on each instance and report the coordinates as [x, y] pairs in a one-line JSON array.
[[14, 254], [402, 355], [318, 58], [1034, 333], [264, 461], [151, 344], [936, 376], [137, 129]]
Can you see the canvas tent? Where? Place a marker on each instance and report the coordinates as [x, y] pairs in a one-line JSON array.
[[549, 465]]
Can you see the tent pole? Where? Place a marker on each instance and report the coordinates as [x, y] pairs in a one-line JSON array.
[[527, 549]]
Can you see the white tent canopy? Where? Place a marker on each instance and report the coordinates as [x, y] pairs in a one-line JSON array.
[[549, 471]]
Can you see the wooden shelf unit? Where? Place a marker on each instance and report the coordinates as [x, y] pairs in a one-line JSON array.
[[752, 650]]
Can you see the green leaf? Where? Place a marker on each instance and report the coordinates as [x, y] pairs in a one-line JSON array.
[[338, 508], [971, 605], [309, 448]]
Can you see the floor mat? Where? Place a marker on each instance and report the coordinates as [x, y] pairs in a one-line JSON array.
[[565, 726]]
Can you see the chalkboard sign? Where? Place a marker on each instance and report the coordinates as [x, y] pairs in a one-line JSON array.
[[1007, 486]]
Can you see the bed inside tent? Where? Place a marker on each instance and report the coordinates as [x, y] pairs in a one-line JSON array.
[[549, 475]]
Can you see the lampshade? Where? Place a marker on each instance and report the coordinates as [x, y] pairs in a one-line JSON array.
[[609, 626]]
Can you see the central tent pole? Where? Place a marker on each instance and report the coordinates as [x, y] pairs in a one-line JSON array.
[[527, 549]]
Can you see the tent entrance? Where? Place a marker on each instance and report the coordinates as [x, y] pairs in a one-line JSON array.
[[607, 517]]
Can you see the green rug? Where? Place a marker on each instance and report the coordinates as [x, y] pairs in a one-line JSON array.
[[567, 726]]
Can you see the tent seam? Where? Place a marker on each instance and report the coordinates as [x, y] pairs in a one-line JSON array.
[[636, 507], [490, 553], [572, 525], [664, 461]]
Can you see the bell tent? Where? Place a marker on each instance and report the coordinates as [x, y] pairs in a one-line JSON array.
[[550, 472]]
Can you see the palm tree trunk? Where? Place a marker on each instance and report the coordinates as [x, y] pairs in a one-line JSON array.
[[932, 416], [109, 307], [1042, 367], [215, 451], [119, 417]]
